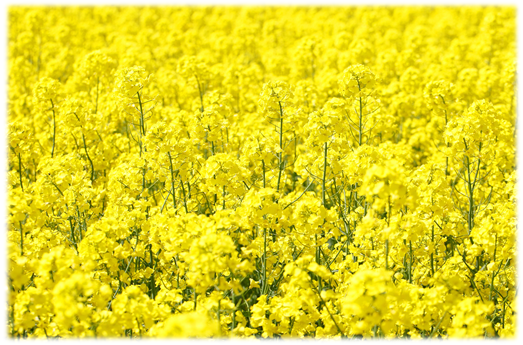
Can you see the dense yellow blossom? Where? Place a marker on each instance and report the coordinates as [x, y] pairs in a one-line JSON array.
[[261, 172]]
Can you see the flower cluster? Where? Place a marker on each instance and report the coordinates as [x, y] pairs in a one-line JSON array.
[[261, 172]]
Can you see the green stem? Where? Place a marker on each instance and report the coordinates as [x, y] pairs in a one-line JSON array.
[[432, 254], [322, 202], [172, 179], [194, 298], [387, 254], [54, 128], [263, 172], [410, 264], [88, 157], [165, 201], [73, 239], [212, 142], [493, 274], [324, 174], [142, 125], [328, 311], [184, 198], [317, 249], [437, 326], [360, 122], [20, 171], [280, 154], [219, 316], [234, 310], [21, 240], [264, 272], [223, 197], [201, 93], [142, 115]]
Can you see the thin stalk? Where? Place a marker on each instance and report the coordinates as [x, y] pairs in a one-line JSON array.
[[127, 133], [184, 198], [360, 117], [223, 197], [153, 287], [387, 240], [317, 249], [80, 223], [165, 201], [73, 239], [264, 272], [291, 326], [280, 154], [194, 298], [446, 158], [324, 174], [437, 326], [387, 254], [263, 172], [432, 254], [298, 198], [142, 125], [172, 179], [21, 240], [143, 177], [142, 115], [410, 264], [322, 202], [54, 128], [200, 92], [493, 275], [328, 311], [234, 310], [20, 171], [360, 121], [88, 157], [503, 315], [470, 216], [120, 282], [219, 316]]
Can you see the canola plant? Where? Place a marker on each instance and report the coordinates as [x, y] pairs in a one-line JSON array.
[[261, 172]]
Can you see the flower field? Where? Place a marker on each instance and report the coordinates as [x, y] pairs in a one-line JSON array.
[[261, 172]]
